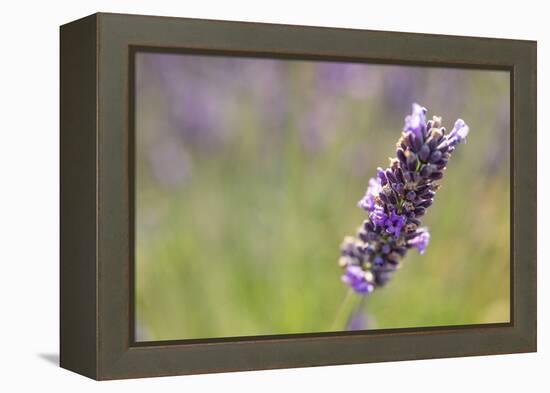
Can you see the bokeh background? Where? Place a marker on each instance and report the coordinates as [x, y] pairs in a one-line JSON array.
[[248, 172]]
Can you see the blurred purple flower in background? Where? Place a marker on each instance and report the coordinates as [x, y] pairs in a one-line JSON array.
[[396, 200], [497, 154], [346, 78], [401, 85], [270, 92], [200, 106], [170, 163], [318, 124]]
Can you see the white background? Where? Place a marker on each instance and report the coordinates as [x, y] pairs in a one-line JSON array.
[[29, 194]]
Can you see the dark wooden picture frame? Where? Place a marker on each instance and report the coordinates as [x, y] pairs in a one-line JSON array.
[[97, 210]]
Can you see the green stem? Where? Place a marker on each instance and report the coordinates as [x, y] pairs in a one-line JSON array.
[[344, 311]]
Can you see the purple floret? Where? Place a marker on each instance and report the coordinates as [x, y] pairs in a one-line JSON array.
[[354, 276], [378, 216], [394, 223], [421, 241], [367, 203], [459, 132], [416, 121]]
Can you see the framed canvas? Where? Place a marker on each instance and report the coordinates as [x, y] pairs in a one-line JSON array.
[[227, 202]]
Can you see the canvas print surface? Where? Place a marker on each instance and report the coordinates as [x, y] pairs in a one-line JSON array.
[[282, 196]]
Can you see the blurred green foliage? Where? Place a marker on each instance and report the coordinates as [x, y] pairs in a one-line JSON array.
[[243, 238]]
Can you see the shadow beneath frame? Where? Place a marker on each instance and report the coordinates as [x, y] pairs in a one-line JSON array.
[[52, 358]]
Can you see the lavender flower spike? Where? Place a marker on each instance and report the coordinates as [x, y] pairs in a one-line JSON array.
[[396, 200]]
